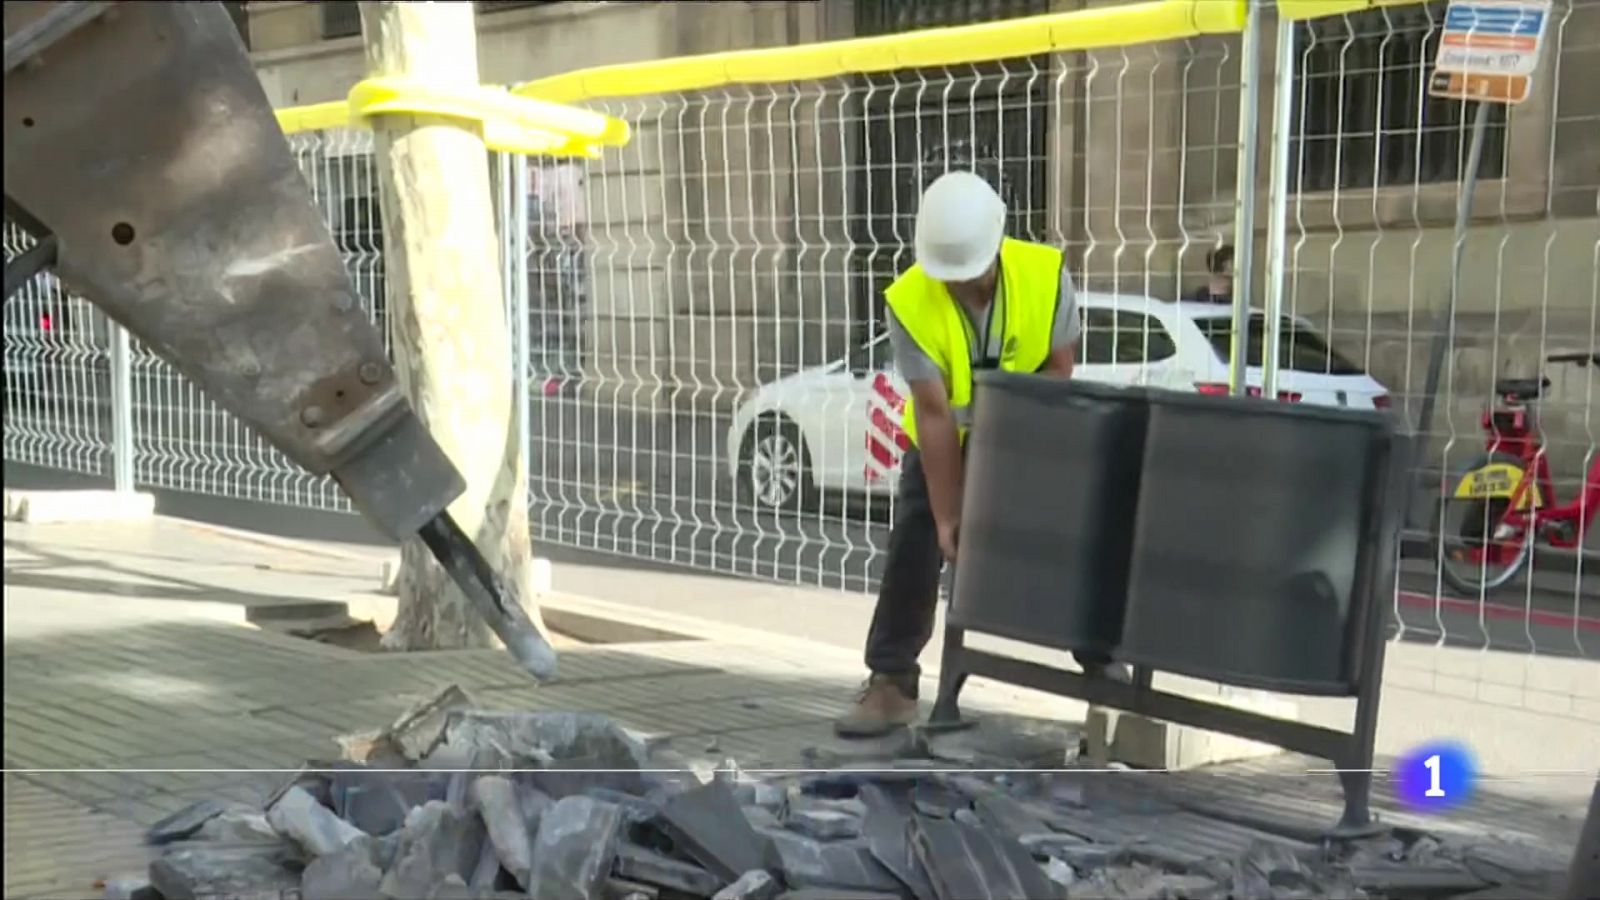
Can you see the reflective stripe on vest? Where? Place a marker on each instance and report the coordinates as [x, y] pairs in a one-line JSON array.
[[934, 319]]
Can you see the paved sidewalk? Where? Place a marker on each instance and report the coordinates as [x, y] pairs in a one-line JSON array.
[[132, 687]]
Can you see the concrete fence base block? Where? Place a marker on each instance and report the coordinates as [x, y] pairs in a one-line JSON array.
[[1116, 736], [389, 577], [43, 507], [541, 576]]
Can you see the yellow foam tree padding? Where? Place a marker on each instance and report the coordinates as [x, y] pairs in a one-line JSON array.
[[1298, 10], [510, 123], [1085, 29]]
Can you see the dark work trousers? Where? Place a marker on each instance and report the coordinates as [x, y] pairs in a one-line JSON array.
[[909, 592]]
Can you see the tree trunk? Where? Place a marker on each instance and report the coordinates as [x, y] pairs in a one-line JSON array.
[[447, 316]]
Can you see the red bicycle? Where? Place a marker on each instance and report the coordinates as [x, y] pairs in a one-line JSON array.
[[1505, 502]]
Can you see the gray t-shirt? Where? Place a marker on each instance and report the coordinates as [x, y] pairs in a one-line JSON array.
[[915, 365]]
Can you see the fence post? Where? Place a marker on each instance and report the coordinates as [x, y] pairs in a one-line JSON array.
[[1244, 198], [1278, 204], [121, 409], [522, 356]]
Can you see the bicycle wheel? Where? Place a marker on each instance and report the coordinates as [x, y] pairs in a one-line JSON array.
[[1479, 550]]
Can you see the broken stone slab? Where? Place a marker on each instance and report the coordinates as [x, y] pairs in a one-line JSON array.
[[452, 887], [511, 827], [841, 753], [827, 893], [206, 870], [756, 884], [760, 818], [1007, 742], [437, 841], [1000, 810], [839, 865], [183, 823], [622, 889], [238, 827], [1268, 867], [1060, 873], [976, 863], [298, 816], [411, 736], [887, 830], [352, 873], [574, 849], [1387, 878], [772, 797], [378, 802], [1144, 883], [603, 753], [824, 824], [534, 739], [707, 825], [638, 864]]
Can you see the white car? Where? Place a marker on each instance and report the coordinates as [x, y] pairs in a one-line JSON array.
[[836, 427]]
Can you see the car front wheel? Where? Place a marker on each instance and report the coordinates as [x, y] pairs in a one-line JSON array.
[[775, 472]]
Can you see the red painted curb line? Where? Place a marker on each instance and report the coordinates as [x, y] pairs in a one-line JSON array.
[[1502, 611]]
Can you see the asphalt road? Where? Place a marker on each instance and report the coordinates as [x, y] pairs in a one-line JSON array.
[[629, 485]]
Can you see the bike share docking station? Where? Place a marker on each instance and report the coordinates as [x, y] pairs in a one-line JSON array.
[[1228, 539]]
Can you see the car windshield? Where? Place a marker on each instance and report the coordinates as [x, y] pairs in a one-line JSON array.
[[874, 354], [1300, 349]]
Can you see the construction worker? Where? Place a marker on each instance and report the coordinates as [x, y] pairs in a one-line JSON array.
[[975, 299]]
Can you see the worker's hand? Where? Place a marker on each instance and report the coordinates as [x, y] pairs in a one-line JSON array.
[[949, 533]]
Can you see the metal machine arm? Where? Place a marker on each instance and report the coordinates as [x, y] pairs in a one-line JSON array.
[[140, 147]]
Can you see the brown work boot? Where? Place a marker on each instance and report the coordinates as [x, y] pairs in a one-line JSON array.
[[883, 706]]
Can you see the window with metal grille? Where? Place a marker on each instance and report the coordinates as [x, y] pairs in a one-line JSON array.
[[340, 19], [991, 119], [1363, 117]]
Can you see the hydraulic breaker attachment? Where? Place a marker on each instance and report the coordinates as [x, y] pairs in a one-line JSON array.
[[141, 151]]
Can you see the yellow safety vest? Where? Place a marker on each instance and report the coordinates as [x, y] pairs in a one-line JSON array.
[[934, 319]]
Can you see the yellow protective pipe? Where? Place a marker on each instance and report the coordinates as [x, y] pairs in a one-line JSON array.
[[510, 123], [1086, 29], [1297, 10]]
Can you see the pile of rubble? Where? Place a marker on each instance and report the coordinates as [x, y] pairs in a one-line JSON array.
[[452, 802]]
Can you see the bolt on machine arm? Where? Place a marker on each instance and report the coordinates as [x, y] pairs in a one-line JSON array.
[[141, 151]]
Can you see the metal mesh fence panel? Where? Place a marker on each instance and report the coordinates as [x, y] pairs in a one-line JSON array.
[[57, 374], [712, 386], [1375, 172]]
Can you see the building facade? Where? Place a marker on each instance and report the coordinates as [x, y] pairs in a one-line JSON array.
[[702, 271]]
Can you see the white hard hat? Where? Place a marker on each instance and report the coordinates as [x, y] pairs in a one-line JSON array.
[[959, 227]]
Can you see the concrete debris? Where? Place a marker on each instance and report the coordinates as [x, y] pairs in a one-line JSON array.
[[824, 824], [183, 823], [608, 831], [352, 873], [841, 865], [239, 827], [511, 827], [298, 816], [203, 871], [1061, 873], [572, 852], [644, 866], [437, 841], [412, 736], [756, 884], [377, 802]]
